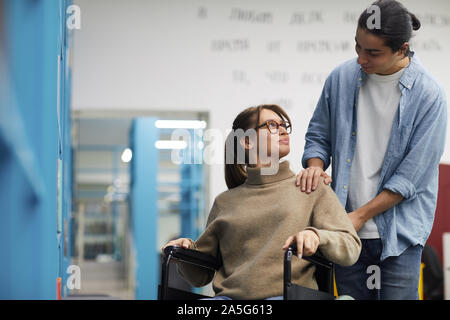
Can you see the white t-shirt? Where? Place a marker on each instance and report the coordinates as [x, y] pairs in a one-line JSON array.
[[378, 102]]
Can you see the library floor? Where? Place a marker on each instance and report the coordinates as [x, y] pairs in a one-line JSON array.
[[102, 281]]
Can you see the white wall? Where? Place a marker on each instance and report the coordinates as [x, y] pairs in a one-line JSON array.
[[170, 55]]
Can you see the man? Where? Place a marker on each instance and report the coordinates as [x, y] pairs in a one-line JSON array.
[[382, 120]]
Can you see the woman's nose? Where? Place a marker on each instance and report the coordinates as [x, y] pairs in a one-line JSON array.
[[282, 131]]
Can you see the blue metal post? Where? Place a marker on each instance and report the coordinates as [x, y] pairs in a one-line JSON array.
[[144, 206], [65, 147], [114, 205]]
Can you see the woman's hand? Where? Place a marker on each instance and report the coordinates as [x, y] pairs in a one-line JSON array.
[[181, 242], [308, 179], [307, 242]]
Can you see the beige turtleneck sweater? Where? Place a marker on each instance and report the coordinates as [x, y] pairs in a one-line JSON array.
[[249, 225]]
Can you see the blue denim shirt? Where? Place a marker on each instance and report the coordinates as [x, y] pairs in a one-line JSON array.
[[411, 161]]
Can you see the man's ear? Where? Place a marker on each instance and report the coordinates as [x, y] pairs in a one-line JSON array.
[[403, 49], [245, 143]]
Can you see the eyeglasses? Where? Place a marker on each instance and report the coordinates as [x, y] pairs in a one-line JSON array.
[[273, 126]]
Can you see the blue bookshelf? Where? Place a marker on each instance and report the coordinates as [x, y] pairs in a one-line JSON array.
[[35, 149]]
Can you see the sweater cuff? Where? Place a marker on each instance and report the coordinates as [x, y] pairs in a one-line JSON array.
[[192, 245], [320, 234]]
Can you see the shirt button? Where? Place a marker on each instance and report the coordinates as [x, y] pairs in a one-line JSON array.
[[353, 133], [348, 160], [345, 187], [360, 79]]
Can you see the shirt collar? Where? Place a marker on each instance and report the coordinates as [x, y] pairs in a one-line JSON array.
[[408, 77]]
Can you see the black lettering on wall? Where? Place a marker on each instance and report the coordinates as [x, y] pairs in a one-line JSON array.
[[245, 15]]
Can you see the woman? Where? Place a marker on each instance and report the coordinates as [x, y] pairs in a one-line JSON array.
[[260, 215], [382, 119]]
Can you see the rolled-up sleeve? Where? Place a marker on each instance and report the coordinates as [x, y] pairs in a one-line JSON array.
[[401, 185]]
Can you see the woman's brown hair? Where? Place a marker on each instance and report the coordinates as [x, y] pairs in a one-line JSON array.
[[235, 172]]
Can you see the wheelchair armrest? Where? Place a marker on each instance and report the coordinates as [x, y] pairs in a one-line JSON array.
[[177, 253], [324, 278], [192, 256]]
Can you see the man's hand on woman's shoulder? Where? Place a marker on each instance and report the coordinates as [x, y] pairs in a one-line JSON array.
[[308, 179]]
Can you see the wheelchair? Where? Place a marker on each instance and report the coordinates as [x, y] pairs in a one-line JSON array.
[[323, 275]]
